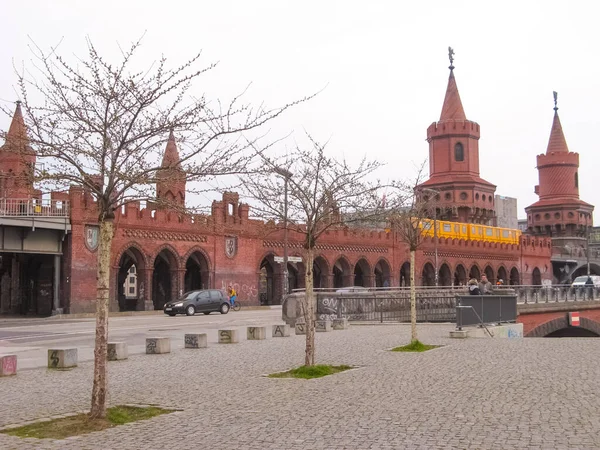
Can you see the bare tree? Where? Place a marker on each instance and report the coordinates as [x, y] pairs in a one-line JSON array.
[[323, 193], [409, 217], [103, 126]]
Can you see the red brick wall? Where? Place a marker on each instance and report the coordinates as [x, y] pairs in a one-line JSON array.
[[532, 321]]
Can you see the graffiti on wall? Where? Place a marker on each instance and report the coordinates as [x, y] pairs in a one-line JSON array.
[[244, 291]]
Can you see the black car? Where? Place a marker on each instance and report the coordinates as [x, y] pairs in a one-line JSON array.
[[205, 301]]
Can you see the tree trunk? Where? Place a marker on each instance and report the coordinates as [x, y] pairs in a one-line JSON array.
[[413, 299], [99, 388], [309, 310]]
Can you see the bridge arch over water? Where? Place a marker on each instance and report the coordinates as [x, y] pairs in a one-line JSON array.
[[559, 327]]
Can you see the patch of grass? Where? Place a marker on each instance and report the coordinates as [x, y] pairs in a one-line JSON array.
[[81, 423], [415, 346], [307, 372]]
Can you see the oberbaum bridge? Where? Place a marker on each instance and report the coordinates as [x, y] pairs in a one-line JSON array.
[[48, 246]]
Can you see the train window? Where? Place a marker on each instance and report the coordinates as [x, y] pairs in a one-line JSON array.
[[464, 229], [489, 232], [505, 233], [427, 225], [456, 228], [473, 230], [447, 227]]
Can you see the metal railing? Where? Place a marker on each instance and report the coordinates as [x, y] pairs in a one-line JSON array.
[[12, 207], [433, 304]]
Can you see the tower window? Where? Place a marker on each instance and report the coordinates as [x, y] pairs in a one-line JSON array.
[[577, 180], [459, 153]]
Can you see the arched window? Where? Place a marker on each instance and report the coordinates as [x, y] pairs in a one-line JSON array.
[[459, 153], [576, 180]]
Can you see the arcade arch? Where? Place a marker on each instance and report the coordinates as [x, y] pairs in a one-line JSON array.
[[266, 281], [197, 272], [405, 274], [130, 279], [489, 273], [515, 279], [382, 274], [445, 275], [536, 277], [362, 273], [474, 273], [460, 276], [320, 273], [341, 273], [163, 287], [502, 275], [428, 275]]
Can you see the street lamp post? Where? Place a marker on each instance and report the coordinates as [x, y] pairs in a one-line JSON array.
[[435, 239], [286, 174]]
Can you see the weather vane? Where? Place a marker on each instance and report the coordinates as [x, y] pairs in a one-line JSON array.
[[555, 100], [451, 56]]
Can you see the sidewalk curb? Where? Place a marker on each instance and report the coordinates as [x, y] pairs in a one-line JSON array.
[[143, 313]]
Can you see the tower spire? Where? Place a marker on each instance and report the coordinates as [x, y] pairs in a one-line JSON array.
[[452, 108], [557, 142]]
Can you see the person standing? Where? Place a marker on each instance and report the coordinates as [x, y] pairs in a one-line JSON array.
[[473, 287], [485, 287]]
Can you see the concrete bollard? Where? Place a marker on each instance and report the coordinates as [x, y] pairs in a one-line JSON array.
[[281, 330], [256, 333], [323, 325], [117, 351], [158, 345], [340, 324], [195, 340], [228, 337], [8, 365], [300, 328], [62, 358]]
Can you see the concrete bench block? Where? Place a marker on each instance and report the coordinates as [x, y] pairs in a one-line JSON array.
[[117, 351], [229, 337], [256, 333], [281, 330], [62, 358], [340, 324], [158, 345], [300, 328], [8, 365], [323, 325], [196, 340]]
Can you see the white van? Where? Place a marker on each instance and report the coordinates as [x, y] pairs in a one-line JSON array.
[[580, 281]]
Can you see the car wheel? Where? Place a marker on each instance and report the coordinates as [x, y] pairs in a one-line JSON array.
[[172, 314], [224, 308], [206, 313], [190, 310]]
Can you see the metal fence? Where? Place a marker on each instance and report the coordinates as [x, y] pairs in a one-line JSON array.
[[12, 207], [485, 309]]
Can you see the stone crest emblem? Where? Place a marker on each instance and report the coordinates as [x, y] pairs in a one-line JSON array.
[[230, 246], [92, 234]]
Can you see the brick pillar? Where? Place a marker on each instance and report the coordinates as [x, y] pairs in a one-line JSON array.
[[15, 292], [369, 280], [5, 284], [179, 286], [144, 302]]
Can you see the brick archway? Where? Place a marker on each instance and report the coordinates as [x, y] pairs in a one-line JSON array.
[[562, 322]]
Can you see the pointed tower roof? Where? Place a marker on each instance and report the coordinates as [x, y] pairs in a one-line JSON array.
[[171, 156], [557, 142], [17, 133], [453, 108]]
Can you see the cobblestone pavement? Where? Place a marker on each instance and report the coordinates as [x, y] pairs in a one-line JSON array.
[[476, 393]]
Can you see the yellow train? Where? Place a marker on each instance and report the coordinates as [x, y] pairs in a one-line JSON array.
[[470, 231]]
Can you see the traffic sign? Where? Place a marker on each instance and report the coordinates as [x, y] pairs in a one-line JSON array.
[[294, 259], [574, 319]]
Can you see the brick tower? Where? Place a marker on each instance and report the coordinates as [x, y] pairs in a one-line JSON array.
[[454, 164], [17, 160], [170, 184], [559, 213]]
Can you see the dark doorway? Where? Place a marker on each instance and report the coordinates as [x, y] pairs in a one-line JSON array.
[[341, 273], [130, 280], [474, 273], [460, 276], [405, 275], [502, 275], [196, 273], [572, 332], [514, 277], [489, 273], [265, 282], [162, 281], [428, 275], [536, 277], [382, 274], [445, 276]]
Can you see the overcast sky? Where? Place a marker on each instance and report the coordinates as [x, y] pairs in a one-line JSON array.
[[383, 65]]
